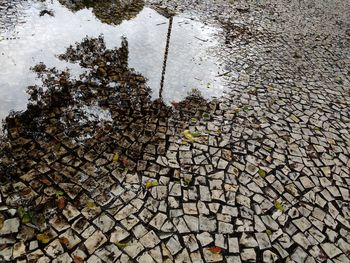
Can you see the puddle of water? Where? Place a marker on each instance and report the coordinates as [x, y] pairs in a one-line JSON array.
[[190, 65], [41, 38]]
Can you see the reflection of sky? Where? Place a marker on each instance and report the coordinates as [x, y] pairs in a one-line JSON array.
[[189, 64], [41, 38]]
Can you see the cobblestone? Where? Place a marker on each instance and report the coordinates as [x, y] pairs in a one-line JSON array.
[[261, 174]]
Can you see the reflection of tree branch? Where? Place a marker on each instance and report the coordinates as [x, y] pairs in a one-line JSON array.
[[107, 11], [12, 14], [166, 56]]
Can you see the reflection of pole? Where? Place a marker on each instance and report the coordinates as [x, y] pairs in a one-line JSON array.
[[165, 56]]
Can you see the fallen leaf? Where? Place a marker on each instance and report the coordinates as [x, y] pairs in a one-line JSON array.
[[64, 241], [196, 134], [78, 259], [187, 134], [61, 203], [116, 157], [25, 191], [91, 204], [192, 137], [150, 184], [262, 173], [2, 220], [45, 181], [121, 245], [26, 219], [194, 120], [59, 193], [215, 250], [43, 238], [188, 180], [279, 206]]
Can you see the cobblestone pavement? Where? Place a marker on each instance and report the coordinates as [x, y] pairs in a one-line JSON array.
[[95, 171]]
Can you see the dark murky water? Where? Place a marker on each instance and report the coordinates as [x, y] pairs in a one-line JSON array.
[[26, 38]]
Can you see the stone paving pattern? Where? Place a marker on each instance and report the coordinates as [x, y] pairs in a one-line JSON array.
[[260, 175]]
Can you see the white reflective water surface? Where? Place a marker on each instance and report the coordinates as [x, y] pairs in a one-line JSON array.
[[32, 39]]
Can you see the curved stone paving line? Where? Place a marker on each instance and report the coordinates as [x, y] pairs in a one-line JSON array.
[[261, 175]]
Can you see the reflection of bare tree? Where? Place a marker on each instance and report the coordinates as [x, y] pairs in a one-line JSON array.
[[11, 14], [108, 11]]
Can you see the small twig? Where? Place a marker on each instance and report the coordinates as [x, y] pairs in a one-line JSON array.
[[223, 74], [204, 40]]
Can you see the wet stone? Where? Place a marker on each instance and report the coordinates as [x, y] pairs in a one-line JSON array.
[[263, 240], [10, 226], [96, 240], [264, 177], [248, 254], [104, 223], [134, 249], [150, 240], [301, 240], [174, 246], [54, 249], [118, 235], [331, 250], [211, 257], [19, 249], [205, 238]]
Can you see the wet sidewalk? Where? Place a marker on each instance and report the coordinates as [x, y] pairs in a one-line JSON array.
[[240, 154]]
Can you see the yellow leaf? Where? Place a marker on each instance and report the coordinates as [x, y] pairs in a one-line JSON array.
[[191, 136], [91, 204], [43, 238], [121, 245], [116, 157], [2, 220], [187, 134], [188, 180], [279, 206], [262, 173], [150, 184]]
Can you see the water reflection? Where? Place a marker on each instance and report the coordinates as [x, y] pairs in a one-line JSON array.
[[191, 63], [111, 12], [11, 14], [108, 97]]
